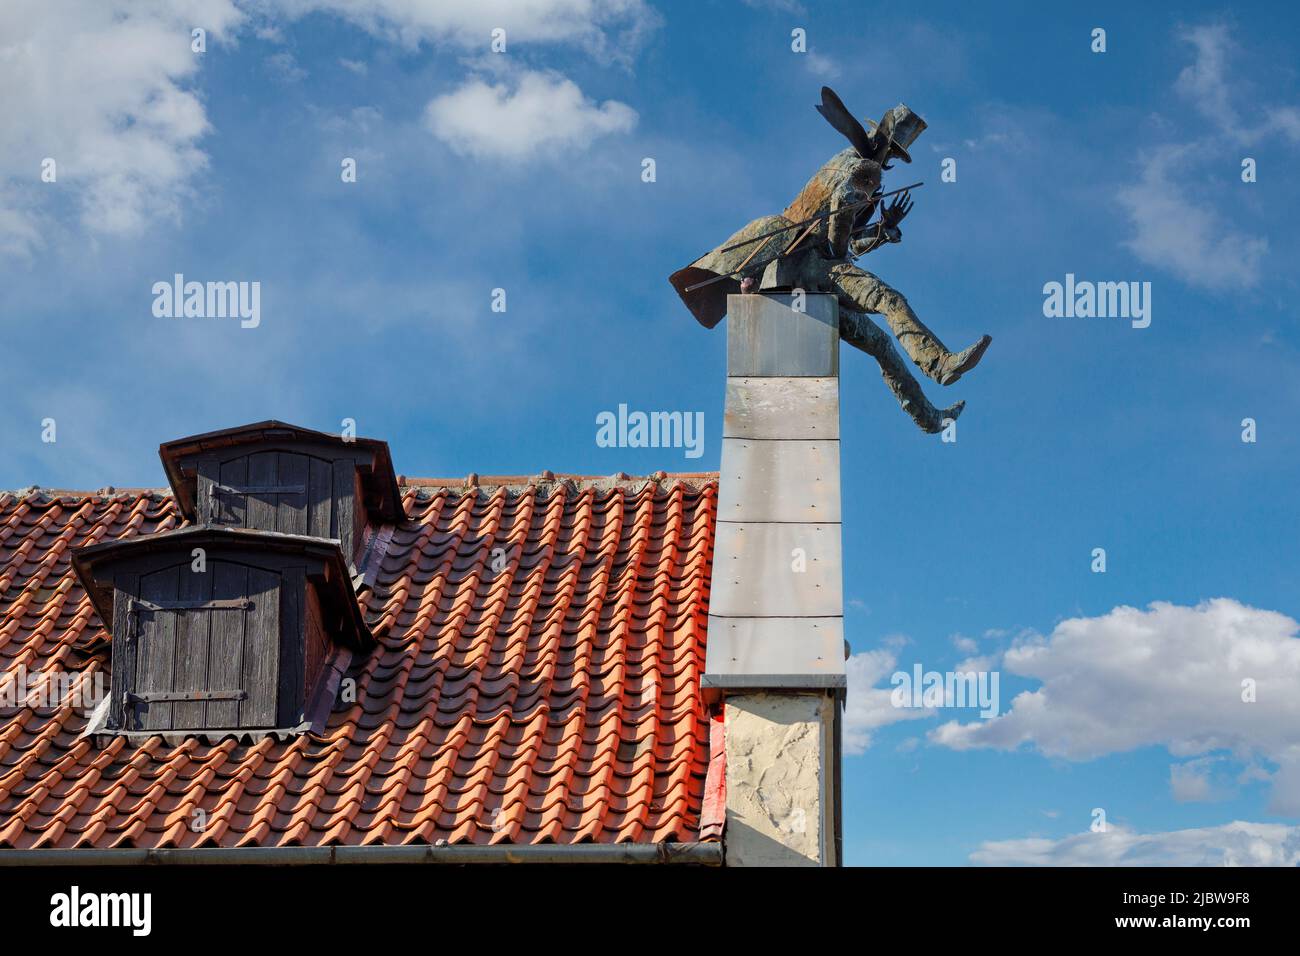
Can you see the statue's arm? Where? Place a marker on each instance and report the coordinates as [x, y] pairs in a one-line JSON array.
[[885, 229], [839, 230], [873, 237]]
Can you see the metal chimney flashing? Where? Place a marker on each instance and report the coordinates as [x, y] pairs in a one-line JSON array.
[[776, 607], [768, 334]]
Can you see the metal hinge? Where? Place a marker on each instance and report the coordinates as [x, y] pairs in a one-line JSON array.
[[219, 604], [215, 488], [184, 695], [136, 605]]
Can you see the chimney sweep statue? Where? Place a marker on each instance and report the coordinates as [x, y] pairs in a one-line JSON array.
[[812, 245]]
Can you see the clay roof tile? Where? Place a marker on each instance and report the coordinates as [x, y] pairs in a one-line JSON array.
[[547, 692]]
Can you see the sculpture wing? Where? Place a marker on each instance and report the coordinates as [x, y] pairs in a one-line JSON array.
[[838, 115]]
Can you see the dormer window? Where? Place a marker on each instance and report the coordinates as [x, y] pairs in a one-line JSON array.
[[222, 629], [244, 621], [277, 477]]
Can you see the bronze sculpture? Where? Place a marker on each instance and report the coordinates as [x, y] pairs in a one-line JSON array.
[[812, 245]]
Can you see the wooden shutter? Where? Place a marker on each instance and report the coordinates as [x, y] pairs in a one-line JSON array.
[[289, 492], [202, 648]]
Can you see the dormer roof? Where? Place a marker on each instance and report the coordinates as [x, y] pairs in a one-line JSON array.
[[381, 498]]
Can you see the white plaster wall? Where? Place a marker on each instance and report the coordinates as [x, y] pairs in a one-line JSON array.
[[778, 788]]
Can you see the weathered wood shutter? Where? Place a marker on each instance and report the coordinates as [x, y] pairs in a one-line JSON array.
[[202, 649], [284, 491]]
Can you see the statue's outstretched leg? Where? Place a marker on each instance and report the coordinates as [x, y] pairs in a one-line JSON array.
[[859, 331], [861, 291]]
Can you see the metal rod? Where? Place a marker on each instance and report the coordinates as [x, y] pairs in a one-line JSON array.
[[707, 282]]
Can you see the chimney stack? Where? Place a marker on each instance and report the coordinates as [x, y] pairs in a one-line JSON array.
[[776, 646]]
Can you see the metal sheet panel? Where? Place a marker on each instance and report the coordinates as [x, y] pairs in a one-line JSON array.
[[766, 336], [782, 407], [783, 652], [754, 570], [765, 480]]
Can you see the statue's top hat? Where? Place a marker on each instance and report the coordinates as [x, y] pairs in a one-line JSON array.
[[889, 138], [896, 131]]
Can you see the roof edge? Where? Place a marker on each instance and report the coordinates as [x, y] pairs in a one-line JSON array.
[[701, 854]]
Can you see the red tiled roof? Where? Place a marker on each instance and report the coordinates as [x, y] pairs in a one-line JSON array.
[[555, 701]]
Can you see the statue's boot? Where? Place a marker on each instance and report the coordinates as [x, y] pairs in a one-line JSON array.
[[861, 291], [859, 331], [955, 366]]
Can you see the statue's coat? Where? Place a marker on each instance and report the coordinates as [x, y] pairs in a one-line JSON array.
[[845, 178]]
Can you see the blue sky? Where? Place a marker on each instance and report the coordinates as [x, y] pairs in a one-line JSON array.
[[522, 171]]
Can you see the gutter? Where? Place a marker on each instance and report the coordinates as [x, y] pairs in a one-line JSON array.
[[700, 854]]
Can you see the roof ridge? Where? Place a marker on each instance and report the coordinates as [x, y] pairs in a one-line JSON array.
[[618, 479]]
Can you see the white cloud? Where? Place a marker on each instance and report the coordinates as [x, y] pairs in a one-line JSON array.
[[980, 664], [101, 87], [869, 707], [1194, 781], [967, 645], [1178, 231], [19, 229], [1233, 844], [285, 66], [1176, 227], [608, 29], [785, 6], [1286, 120], [821, 66], [1204, 81], [106, 88], [543, 112], [1168, 676]]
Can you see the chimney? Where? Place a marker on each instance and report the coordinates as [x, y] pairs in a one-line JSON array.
[[776, 647]]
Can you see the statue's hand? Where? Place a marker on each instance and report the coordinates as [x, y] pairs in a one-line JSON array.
[[897, 210]]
